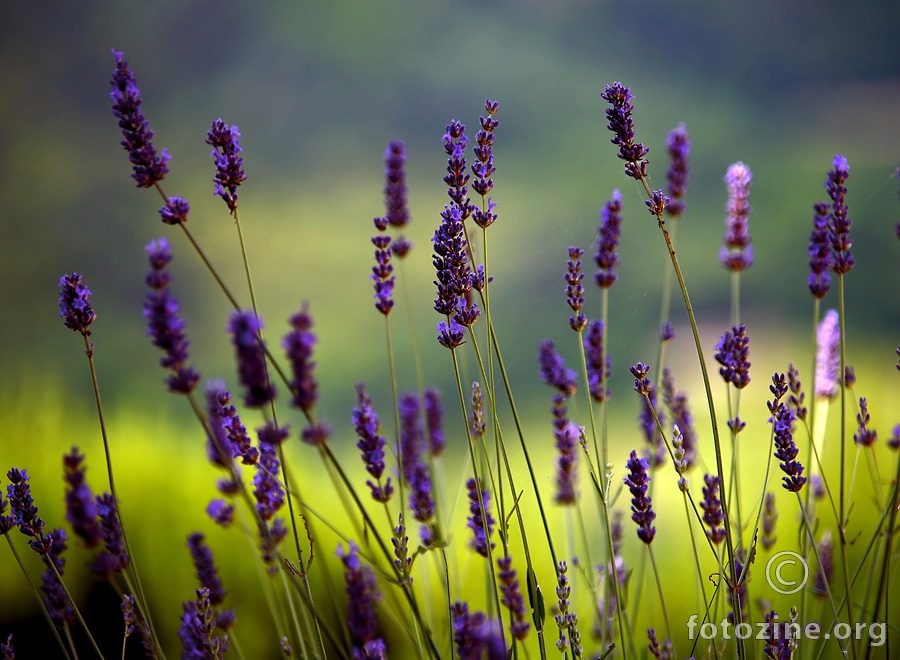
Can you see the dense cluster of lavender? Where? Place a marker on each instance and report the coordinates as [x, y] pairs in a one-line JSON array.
[[403, 466]]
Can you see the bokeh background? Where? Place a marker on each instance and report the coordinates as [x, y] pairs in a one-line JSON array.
[[318, 89]]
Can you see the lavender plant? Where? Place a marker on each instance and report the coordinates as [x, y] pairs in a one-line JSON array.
[[452, 590]]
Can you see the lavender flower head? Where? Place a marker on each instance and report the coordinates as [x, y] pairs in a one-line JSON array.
[[599, 368], [75, 304], [371, 444], [175, 212], [298, 344], [416, 471], [678, 145], [785, 449], [828, 355], [362, 595], [395, 184], [568, 444], [81, 508], [148, 167], [638, 482], [677, 403], [608, 241], [713, 515], [733, 353], [842, 260], [483, 167], [819, 280], [207, 574], [7, 649], [382, 271], [480, 498], [825, 568], [769, 519], [511, 598], [229, 164], [244, 327], [865, 436], [475, 635], [114, 559], [164, 326], [453, 278], [622, 125], [455, 142], [737, 253], [434, 421], [554, 371], [575, 289]]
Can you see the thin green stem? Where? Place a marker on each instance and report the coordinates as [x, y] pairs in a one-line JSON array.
[[142, 598], [842, 522], [710, 403]]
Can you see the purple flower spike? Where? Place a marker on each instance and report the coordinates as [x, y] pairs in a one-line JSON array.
[[678, 145], [395, 186], [415, 467], [55, 598], [148, 167], [657, 203], [244, 327], [478, 498], [866, 436], [786, 450], [575, 289], [512, 598], [476, 636], [554, 371], [568, 444], [483, 167], [638, 482], [8, 651], [198, 622], [81, 509], [207, 574], [769, 519], [712, 509], [894, 441], [382, 271], [622, 125], [608, 242], [820, 251], [453, 277], [221, 513], [115, 558], [828, 355], [434, 421], [164, 326], [75, 304], [455, 142], [677, 403], [642, 384], [450, 336], [826, 568], [737, 253], [298, 344], [842, 260], [229, 163], [267, 490], [24, 512], [733, 353], [371, 444], [362, 595], [175, 211], [599, 367]]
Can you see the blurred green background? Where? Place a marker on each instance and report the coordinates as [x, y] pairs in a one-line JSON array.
[[318, 89]]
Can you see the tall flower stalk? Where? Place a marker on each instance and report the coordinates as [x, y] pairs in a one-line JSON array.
[[621, 124]]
